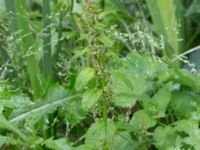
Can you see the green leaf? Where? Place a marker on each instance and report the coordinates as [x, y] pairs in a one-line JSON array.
[[73, 112], [142, 121], [164, 137], [135, 77], [90, 97], [43, 108], [4, 124], [106, 41], [157, 105], [59, 144], [122, 141], [182, 101], [84, 77], [126, 86], [179, 134], [145, 65], [194, 8], [192, 131], [99, 132], [2, 140], [2, 8]]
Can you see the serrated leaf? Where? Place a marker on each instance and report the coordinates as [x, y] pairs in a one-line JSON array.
[[126, 86], [90, 97], [180, 133], [122, 141], [74, 112], [98, 133], [157, 105], [164, 137], [182, 101], [84, 77], [142, 121], [59, 144]]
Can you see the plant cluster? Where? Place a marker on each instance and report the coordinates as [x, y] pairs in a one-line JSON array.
[[99, 75]]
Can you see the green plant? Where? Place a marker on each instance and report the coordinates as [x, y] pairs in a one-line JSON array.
[[101, 82]]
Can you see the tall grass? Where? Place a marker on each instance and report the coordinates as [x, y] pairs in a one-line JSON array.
[[20, 23], [168, 20], [47, 69]]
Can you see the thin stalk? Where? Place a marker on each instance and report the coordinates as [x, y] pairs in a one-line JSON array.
[[59, 30], [47, 69], [3, 54]]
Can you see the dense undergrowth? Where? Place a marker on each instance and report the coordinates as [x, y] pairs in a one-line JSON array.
[[99, 75]]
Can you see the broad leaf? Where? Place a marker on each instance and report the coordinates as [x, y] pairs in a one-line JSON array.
[[182, 101], [99, 133], [157, 105], [142, 121], [59, 144], [90, 98], [84, 77]]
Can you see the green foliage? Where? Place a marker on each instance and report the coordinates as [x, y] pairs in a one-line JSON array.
[[90, 98], [93, 75], [84, 77]]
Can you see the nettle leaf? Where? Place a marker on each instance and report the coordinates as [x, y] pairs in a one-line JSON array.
[[157, 105], [191, 130], [145, 65], [84, 147], [179, 134], [164, 137], [126, 86], [73, 112], [59, 144], [98, 133], [90, 97], [182, 101], [122, 141], [142, 121], [134, 78], [84, 77]]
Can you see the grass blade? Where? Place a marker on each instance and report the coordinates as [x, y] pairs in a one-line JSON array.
[[46, 38], [168, 19], [45, 106], [21, 23]]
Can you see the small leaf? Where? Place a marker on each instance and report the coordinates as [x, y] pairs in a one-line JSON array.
[[90, 97], [84, 77], [106, 41]]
